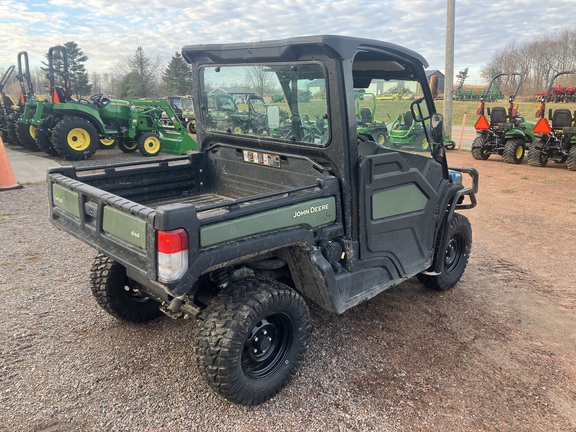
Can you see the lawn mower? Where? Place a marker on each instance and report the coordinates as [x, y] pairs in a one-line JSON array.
[[365, 119], [405, 131], [507, 133], [558, 139]]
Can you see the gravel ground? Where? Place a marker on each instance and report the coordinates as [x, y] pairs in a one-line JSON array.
[[496, 353]]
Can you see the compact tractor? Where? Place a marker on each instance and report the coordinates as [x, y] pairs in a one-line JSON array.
[[6, 106], [557, 140], [77, 128], [507, 133]]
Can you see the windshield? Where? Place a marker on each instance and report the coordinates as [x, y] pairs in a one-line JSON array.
[[284, 102]]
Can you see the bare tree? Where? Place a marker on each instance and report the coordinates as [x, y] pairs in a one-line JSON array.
[[260, 80]]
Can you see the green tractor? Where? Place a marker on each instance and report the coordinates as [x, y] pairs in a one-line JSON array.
[[557, 140], [26, 132], [507, 133], [365, 118], [77, 128], [6, 106]]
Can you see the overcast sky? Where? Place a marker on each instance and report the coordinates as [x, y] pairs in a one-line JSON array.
[[110, 30]]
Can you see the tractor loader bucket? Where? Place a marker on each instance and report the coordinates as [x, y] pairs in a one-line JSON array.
[[174, 142]]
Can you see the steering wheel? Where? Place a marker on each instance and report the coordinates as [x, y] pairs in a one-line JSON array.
[[306, 132], [97, 97]]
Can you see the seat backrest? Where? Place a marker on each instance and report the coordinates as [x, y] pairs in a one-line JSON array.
[[61, 94], [498, 115], [561, 118], [366, 115], [408, 118]]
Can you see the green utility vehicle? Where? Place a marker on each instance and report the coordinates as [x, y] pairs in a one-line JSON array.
[[557, 141], [507, 134], [184, 109], [241, 232]]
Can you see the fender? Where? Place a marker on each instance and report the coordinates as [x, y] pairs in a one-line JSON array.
[[85, 111]]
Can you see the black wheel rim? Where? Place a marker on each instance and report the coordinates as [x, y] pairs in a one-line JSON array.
[[267, 346], [453, 254]]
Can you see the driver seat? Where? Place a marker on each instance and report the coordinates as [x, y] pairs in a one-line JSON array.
[[366, 116], [497, 116]]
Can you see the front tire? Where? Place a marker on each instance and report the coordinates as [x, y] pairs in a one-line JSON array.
[[149, 144], [107, 143], [251, 339], [454, 257], [75, 138], [514, 151], [127, 145], [119, 295]]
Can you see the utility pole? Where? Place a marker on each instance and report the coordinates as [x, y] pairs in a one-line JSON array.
[[449, 65]]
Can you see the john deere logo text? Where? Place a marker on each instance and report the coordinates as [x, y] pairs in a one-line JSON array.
[[313, 209]]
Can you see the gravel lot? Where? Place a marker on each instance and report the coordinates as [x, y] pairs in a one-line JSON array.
[[496, 353]]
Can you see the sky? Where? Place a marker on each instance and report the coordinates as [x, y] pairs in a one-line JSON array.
[[109, 31]]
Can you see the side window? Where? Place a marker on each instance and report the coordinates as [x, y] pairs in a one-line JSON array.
[[284, 102], [389, 112]]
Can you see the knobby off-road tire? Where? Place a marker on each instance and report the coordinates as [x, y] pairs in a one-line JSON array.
[[149, 144], [75, 138], [251, 339], [26, 134], [455, 256], [536, 157], [571, 161], [478, 150], [44, 143], [450, 146], [514, 151], [119, 295], [12, 135]]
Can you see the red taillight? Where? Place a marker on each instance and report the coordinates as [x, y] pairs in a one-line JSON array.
[[482, 123], [170, 242], [172, 254], [542, 127]]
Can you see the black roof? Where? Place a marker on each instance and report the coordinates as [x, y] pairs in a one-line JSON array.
[[344, 47]]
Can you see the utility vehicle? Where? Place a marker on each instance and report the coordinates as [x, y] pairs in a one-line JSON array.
[[557, 140], [507, 134], [240, 233]]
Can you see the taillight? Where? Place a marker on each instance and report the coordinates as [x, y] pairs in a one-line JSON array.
[[482, 123], [172, 247], [542, 127]]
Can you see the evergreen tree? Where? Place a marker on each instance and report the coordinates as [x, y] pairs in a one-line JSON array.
[[177, 76], [141, 80]]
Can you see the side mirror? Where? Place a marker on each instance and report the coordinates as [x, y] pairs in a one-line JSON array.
[[437, 128], [273, 116]]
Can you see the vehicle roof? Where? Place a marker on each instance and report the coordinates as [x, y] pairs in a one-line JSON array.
[[344, 47]]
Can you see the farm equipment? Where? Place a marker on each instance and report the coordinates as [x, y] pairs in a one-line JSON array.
[[405, 131], [27, 106], [183, 108], [365, 118], [6, 105], [507, 133], [77, 128], [557, 140]]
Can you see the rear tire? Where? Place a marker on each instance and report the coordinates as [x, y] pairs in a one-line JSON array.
[[536, 157], [454, 257], [26, 134], [571, 161], [75, 138], [251, 339], [514, 151], [119, 295], [149, 144], [43, 142], [478, 150]]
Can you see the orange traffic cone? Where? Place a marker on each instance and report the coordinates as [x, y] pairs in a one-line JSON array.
[[7, 179]]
